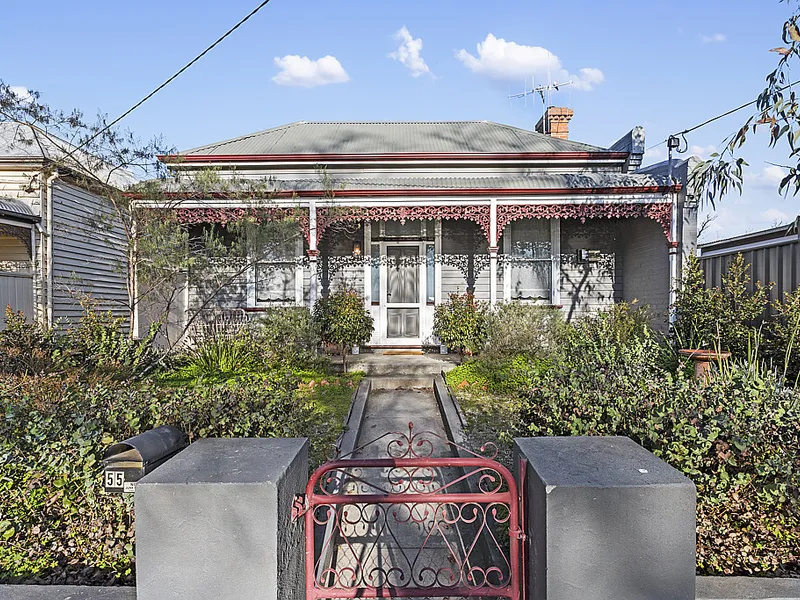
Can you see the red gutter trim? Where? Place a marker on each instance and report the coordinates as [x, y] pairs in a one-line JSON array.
[[417, 193], [405, 156]]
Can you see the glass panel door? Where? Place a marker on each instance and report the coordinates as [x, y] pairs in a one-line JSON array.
[[402, 291]]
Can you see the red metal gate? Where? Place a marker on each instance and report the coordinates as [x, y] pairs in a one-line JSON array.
[[412, 525]]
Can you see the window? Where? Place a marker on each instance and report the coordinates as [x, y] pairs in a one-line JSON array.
[[276, 276], [375, 273], [529, 255], [430, 279]]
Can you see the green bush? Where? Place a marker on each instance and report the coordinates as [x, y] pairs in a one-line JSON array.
[[515, 328], [221, 356], [56, 524], [26, 347], [96, 344], [735, 435], [343, 320], [782, 343], [99, 343], [461, 323], [290, 337], [718, 318]]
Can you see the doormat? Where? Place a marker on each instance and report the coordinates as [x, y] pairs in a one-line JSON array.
[[402, 352]]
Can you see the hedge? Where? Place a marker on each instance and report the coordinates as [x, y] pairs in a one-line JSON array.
[[56, 524]]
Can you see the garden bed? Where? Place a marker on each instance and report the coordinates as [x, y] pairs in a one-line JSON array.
[[64, 400], [735, 434]]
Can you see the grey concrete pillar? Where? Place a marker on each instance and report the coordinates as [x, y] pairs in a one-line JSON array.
[[606, 520], [215, 522]]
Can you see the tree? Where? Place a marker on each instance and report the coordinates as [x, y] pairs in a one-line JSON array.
[[342, 319], [143, 194], [778, 109]]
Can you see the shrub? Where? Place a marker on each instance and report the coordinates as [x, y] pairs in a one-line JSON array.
[[221, 355], [342, 319], [26, 347], [55, 521], [617, 339], [99, 343], [514, 328], [783, 336], [461, 323], [735, 435], [718, 317], [290, 337]]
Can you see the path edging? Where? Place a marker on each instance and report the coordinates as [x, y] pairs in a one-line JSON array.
[[345, 445], [747, 588]]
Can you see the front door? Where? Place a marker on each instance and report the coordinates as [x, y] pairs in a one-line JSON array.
[[402, 291]]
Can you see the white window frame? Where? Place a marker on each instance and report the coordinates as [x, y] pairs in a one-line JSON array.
[[555, 269], [252, 280]]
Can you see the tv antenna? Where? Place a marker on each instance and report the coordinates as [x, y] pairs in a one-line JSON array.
[[544, 92]]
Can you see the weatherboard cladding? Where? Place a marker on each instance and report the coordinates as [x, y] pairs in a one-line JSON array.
[[89, 254], [390, 138]]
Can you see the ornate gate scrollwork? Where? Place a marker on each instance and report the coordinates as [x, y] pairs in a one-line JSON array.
[[412, 524]]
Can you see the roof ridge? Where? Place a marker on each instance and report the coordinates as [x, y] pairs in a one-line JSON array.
[[240, 138], [516, 130]]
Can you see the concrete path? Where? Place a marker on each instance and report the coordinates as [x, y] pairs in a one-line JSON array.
[[65, 592], [392, 543]]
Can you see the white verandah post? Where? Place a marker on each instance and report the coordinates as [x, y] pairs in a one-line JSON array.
[[313, 252], [493, 250]]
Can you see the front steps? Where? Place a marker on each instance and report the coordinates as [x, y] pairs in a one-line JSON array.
[[391, 371]]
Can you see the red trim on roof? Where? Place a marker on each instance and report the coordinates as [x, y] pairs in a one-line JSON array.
[[404, 156], [416, 193]]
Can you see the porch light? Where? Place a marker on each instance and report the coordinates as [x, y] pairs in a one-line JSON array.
[[356, 248]]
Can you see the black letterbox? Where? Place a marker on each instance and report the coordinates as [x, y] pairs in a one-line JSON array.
[[127, 462]]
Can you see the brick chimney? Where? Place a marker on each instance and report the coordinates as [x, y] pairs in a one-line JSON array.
[[557, 119]]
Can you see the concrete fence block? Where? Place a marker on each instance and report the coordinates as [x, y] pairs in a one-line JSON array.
[[606, 520], [215, 522]]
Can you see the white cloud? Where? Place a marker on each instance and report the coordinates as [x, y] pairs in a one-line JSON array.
[[703, 152], [302, 71], [409, 53], [774, 216], [22, 93], [655, 154], [716, 38], [767, 179], [509, 61]]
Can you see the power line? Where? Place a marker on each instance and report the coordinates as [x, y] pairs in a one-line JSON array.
[[173, 78], [720, 116]]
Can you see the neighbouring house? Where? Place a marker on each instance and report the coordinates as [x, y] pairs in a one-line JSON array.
[[408, 213], [59, 241], [773, 255]]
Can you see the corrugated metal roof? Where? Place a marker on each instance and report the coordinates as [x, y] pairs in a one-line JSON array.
[[536, 181], [19, 141], [17, 209], [392, 138]]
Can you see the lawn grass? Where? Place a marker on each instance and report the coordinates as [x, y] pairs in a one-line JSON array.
[[490, 416]]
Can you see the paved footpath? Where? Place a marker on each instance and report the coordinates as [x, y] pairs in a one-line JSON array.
[[390, 543]]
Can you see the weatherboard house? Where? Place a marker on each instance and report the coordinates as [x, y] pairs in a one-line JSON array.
[[407, 213]]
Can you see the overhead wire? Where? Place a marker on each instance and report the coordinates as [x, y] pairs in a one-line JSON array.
[[719, 116], [172, 78]]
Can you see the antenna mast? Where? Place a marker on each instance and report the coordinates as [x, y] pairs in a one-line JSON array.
[[541, 91]]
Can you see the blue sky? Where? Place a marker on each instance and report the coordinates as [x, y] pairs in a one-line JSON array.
[[666, 66]]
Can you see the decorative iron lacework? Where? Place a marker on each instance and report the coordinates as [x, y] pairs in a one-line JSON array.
[[469, 265], [478, 214], [23, 234], [223, 216], [413, 524], [661, 212]]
